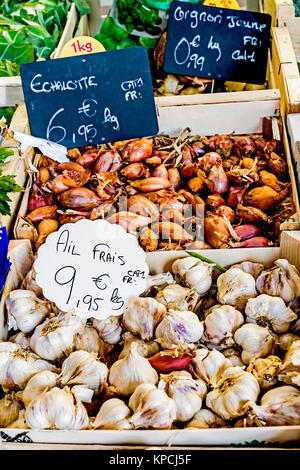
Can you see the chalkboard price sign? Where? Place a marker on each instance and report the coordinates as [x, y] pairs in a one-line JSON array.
[[91, 99], [223, 44]]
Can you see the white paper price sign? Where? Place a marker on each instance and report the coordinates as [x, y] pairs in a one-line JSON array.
[[91, 267]]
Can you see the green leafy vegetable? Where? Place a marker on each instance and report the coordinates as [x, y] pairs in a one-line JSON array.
[[7, 184], [8, 113], [8, 68], [82, 6]]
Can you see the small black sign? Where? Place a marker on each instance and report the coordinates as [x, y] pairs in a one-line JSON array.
[[223, 44], [91, 99]]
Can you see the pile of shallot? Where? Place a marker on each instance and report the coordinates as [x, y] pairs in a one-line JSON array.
[[191, 192], [199, 348]]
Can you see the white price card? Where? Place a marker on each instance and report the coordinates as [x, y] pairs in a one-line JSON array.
[[91, 267]]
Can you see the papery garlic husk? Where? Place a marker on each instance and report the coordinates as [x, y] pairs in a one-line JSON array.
[[109, 330], [83, 393], [152, 408], [38, 383], [178, 298], [17, 365], [179, 327], [29, 283], [108, 353], [127, 373], [56, 409], [21, 339], [233, 391], [55, 338], [289, 371], [145, 349], [9, 409], [27, 309], [235, 287], [20, 422], [186, 392], [266, 310], [234, 356], [282, 280], [210, 365], [142, 315], [265, 370], [113, 414], [82, 368], [249, 267], [160, 280], [205, 419], [255, 341], [280, 406], [88, 340], [286, 340], [193, 273], [220, 324]]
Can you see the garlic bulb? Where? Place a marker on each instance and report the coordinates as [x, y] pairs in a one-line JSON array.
[[20, 422], [88, 340], [235, 287], [127, 373], [17, 366], [177, 297], [109, 329], [280, 406], [256, 341], [145, 349], [9, 410], [56, 336], [113, 414], [265, 370], [254, 269], [82, 368], [27, 310], [289, 371], [186, 392], [179, 327], [234, 389], [160, 280], [220, 324], [29, 283], [21, 339], [152, 408], [282, 280], [286, 340], [206, 419], [83, 393], [56, 409], [234, 356], [38, 383], [210, 365], [266, 310], [193, 273], [142, 315]]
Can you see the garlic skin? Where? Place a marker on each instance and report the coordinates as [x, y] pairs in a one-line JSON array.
[[21, 339], [29, 283], [145, 349], [235, 287], [152, 408], [113, 414], [142, 315], [282, 280], [234, 356], [160, 280], [9, 410], [289, 371], [255, 269], [17, 366], [83, 393], [220, 324], [205, 419], [286, 340], [186, 392], [82, 368], [267, 310], [56, 409], [234, 389], [20, 422], [88, 340], [55, 338], [127, 373], [177, 297], [179, 327], [27, 310], [109, 329], [193, 273], [280, 406], [265, 370], [38, 383], [256, 341], [210, 365]]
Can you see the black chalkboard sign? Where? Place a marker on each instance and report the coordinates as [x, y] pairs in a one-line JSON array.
[[91, 99], [223, 44]]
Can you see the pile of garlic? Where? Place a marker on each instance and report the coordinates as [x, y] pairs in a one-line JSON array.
[[198, 349]]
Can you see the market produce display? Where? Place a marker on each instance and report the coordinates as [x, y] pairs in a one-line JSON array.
[[190, 192], [7, 183], [198, 349]]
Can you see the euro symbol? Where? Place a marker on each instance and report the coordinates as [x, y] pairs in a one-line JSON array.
[[86, 108], [99, 283]]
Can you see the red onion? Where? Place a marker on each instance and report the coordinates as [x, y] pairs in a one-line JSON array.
[[236, 195], [39, 198], [209, 160], [252, 243], [217, 181], [247, 231], [244, 146]]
